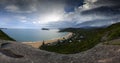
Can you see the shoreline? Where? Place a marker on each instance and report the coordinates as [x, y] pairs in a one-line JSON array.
[[37, 44]]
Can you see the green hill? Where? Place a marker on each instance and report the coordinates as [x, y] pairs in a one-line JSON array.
[[3, 36], [113, 31], [83, 39]]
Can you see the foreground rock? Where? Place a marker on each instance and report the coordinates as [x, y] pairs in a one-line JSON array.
[[14, 52]]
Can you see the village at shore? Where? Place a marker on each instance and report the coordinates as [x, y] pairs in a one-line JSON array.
[[39, 43]]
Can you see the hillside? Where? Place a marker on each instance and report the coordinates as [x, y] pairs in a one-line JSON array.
[[84, 39], [113, 31], [4, 36]]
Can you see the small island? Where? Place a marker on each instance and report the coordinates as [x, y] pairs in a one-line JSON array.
[[44, 29], [2, 28]]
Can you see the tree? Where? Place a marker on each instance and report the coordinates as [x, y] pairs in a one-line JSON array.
[[43, 43]]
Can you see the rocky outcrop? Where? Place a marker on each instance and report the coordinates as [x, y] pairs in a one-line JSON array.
[[15, 52]]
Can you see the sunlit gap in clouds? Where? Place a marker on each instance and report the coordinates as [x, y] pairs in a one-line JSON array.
[[50, 18], [58, 13]]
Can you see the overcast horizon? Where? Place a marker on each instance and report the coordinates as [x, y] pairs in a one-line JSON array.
[[58, 13]]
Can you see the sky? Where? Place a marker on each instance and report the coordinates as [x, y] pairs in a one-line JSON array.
[[58, 13]]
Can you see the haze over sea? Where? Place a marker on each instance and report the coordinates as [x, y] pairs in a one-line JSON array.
[[32, 35]]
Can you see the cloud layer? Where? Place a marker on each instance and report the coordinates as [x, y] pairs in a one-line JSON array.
[[59, 13], [94, 13]]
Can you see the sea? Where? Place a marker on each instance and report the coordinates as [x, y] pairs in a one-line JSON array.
[[33, 35]]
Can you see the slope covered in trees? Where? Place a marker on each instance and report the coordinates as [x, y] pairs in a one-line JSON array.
[[83, 39]]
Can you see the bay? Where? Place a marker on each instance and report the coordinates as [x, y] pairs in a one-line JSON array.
[[32, 35]]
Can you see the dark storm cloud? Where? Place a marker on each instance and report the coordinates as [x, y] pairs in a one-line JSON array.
[[103, 7], [94, 13], [109, 9], [35, 12], [68, 13], [17, 5], [98, 22], [22, 6], [108, 2], [72, 4], [35, 5], [103, 11]]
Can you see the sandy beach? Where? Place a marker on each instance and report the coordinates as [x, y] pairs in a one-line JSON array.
[[39, 43]]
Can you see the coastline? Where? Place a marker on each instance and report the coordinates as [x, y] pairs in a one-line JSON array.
[[39, 43]]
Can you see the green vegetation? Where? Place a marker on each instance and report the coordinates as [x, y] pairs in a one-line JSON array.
[[80, 41], [4, 36], [114, 31], [83, 39]]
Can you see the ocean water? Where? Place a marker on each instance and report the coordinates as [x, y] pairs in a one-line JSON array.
[[31, 35]]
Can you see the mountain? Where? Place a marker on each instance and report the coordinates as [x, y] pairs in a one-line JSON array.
[[113, 31], [97, 23], [91, 37]]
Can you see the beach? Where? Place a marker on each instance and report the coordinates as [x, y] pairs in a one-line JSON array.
[[39, 43]]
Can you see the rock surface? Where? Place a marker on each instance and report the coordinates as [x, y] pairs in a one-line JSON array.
[[99, 54]]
